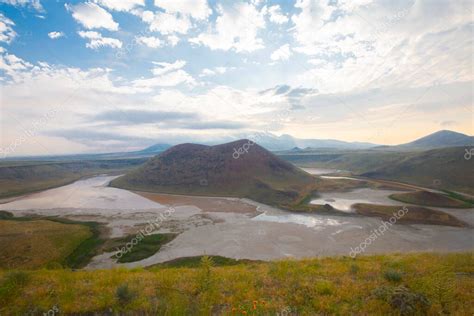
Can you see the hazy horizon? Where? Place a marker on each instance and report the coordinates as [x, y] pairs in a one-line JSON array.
[[107, 76]]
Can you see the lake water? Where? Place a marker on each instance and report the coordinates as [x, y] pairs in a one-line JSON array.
[[321, 171], [344, 200], [91, 193]]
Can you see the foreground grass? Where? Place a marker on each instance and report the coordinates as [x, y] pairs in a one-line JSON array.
[[30, 244], [412, 284]]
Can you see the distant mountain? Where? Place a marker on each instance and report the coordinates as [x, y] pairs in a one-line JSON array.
[[287, 142], [157, 148], [440, 139], [240, 168]]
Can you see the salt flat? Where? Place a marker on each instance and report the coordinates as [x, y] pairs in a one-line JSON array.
[[257, 232]]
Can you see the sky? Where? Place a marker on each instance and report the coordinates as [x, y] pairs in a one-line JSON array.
[[109, 75]]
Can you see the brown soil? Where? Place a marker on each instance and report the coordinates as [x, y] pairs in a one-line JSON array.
[[207, 204]]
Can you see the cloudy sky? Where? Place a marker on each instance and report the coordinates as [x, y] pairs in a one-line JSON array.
[[107, 75]]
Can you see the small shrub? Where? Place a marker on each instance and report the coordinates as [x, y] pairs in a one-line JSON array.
[[205, 278], [409, 303], [393, 276], [402, 299], [124, 295], [382, 293]]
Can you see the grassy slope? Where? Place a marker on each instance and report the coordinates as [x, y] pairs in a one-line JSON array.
[[445, 168], [430, 199], [36, 243], [18, 178], [372, 285], [415, 214], [76, 256]]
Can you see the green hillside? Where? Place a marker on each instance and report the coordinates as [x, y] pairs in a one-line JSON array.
[[443, 168]]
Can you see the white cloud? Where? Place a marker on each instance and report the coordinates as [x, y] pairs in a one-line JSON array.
[[55, 34], [236, 28], [165, 23], [170, 79], [12, 65], [197, 9], [7, 34], [167, 67], [166, 75], [173, 40], [177, 18], [282, 53], [92, 16], [207, 72], [96, 40], [215, 71], [150, 41], [35, 4], [372, 45], [121, 5], [276, 16]]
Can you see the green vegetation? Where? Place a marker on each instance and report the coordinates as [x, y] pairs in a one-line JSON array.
[[393, 276], [432, 284], [414, 215], [194, 262], [124, 294], [52, 242], [12, 283], [81, 255], [35, 243], [21, 177], [402, 299], [460, 197], [146, 246], [429, 199]]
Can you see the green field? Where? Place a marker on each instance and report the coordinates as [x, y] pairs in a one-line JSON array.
[[410, 284], [38, 243]]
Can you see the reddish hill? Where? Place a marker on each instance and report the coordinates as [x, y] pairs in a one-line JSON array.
[[241, 168]]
